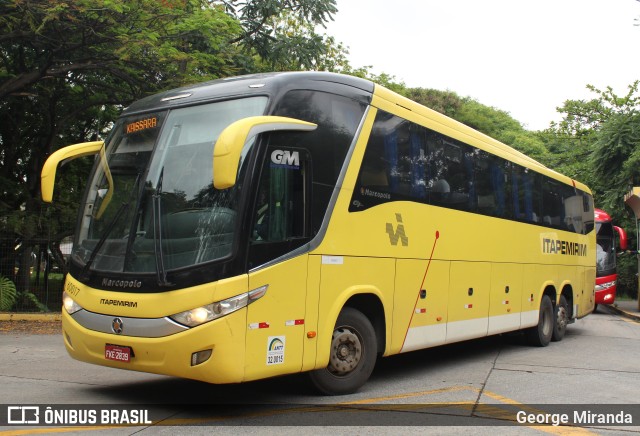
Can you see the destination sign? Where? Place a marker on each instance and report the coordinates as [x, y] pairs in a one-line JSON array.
[[137, 126]]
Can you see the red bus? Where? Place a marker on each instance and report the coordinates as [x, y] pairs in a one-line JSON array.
[[606, 274]]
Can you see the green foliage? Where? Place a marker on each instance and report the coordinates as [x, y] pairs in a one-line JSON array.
[[67, 68], [384, 79], [585, 117], [445, 102], [280, 35], [491, 121], [7, 294], [627, 278], [598, 142], [615, 156], [29, 299], [296, 46]]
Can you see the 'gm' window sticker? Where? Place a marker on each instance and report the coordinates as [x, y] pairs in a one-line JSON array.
[[286, 158]]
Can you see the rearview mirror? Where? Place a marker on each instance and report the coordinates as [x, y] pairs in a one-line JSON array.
[[228, 147], [48, 174], [622, 238]]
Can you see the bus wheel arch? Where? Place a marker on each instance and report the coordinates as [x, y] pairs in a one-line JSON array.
[[540, 334], [352, 356], [371, 306]]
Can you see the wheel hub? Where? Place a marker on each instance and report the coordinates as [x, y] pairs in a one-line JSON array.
[[346, 351], [562, 317]]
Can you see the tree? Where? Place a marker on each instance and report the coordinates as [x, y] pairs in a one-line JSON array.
[[597, 143], [584, 117], [616, 157], [68, 67], [489, 120], [295, 45], [445, 102], [277, 31]]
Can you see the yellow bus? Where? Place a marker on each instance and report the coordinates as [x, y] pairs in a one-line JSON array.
[[273, 224]]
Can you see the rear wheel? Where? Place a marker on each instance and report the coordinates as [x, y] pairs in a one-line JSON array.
[[540, 335], [352, 358], [561, 319]]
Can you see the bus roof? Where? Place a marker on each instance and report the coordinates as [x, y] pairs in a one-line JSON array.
[[365, 91], [254, 84], [602, 216], [460, 131]]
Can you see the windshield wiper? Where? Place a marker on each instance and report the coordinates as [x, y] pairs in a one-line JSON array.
[[161, 273], [85, 270], [94, 253]]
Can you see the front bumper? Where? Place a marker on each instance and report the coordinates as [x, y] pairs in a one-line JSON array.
[[606, 289], [168, 355]]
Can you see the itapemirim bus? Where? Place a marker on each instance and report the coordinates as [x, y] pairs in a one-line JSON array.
[[271, 224]]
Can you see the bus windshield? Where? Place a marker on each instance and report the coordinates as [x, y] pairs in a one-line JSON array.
[[606, 253], [151, 205]]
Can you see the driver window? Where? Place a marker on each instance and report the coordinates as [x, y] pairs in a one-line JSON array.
[[280, 221]]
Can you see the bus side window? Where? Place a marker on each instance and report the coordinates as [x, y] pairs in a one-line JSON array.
[[489, 184]]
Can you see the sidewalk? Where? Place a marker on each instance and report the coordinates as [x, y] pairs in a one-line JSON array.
[[49, 316], [626, 308]]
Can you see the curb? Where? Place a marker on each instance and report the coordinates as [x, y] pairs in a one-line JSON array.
[[30, 316], [633, 316]]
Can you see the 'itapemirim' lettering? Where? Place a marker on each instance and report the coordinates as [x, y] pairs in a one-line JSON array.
[[124, 303], [557, 246]]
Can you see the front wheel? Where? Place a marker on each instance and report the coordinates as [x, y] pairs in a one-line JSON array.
[[540, 335], [561, 319], [352, 357]]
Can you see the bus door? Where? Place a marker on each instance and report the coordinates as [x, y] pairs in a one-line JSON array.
[[276, 322]]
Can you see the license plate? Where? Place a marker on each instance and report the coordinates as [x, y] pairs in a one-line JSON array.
[[118, 353]]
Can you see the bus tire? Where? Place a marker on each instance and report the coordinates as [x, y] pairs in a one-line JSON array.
[[353, 355], [561, 319], [540, 335]]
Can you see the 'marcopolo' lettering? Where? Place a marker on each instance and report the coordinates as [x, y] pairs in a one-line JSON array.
[[557, 246], [122, 283]]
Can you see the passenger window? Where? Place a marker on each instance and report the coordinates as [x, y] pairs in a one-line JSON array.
[[489, 185], [408, 162]]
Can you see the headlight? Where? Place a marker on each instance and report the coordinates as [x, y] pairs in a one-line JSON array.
[[69, 304], [604, 286], [200, 315]]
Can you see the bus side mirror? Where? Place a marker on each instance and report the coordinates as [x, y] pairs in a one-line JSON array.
[[228, 147], [622, 235], [48, 174]]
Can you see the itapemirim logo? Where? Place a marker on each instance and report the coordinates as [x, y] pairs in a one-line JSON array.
[[398, 234]]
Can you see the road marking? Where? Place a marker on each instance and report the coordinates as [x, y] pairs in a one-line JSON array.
[[630, 321], [475, 410], [408, 395]]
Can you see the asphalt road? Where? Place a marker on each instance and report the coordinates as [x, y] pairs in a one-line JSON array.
[[472, 386]]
